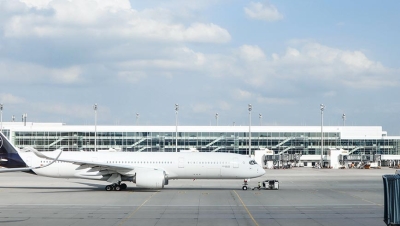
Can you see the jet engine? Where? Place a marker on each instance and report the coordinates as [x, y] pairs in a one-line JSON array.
[[151, 179]]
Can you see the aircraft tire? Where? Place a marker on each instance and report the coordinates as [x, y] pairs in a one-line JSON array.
[[117, 188], [123, 186], [244, 188], [109, 188]]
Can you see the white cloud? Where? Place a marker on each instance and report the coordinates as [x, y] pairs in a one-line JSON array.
[[39, 4], [308, 63], [8, 98], [330, 94], [72, 110], [201, 108], [132, 76], [346, 67], [259, 11], [274, 100], [65, 75], [207, 108], [170, 62], [224, 105], [28, 72], [251, 53], [199, 32], [253, 62], [104, 19], [291, 52], [240, 94]]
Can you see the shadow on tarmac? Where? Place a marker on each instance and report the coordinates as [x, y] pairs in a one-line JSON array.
[[100, 187]]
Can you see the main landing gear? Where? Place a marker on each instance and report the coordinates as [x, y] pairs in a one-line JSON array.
[[116, 187]]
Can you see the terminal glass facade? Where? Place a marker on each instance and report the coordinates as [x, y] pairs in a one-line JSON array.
[[226, 140]]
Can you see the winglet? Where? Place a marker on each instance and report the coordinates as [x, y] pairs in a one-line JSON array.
[[32, 168], [44, 156], [41, 155]]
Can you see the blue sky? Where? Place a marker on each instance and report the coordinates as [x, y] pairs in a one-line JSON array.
[[58, 58]]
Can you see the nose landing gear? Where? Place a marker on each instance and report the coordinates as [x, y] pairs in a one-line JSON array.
[[245, 184]]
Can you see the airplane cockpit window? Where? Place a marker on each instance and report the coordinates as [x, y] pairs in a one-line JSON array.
[[253, 162]]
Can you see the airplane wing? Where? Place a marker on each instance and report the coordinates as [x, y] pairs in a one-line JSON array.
[[123, 169], [6, 170]]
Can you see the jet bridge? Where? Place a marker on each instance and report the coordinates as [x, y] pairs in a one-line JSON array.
[[360, 161], [283, 160]]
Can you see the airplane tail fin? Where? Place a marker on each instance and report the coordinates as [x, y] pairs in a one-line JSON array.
[[9, 155]]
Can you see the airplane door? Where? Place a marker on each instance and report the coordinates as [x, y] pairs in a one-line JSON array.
[[235, 163], [181, 163]]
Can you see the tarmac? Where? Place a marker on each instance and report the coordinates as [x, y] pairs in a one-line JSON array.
[[305, 197]]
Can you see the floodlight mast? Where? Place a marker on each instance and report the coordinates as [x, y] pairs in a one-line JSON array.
[[322, 107], [176, 127], [250, 107], [344, 119], [24, 116], [216, 118], [95, 126], [1, 109]]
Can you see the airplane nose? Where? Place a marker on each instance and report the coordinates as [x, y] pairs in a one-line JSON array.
[[261, 171]]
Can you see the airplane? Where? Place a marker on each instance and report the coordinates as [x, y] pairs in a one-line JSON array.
[[150, 170]]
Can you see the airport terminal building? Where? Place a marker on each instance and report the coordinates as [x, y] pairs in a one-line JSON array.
[[282, 140]]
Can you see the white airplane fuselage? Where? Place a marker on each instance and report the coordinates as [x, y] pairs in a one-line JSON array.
[[176, 165]]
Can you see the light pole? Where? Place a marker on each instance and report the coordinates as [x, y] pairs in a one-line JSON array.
[[95, 126], [250, 108], [13, 118], [176, 127], [24, 116], [1, 109], [322, 107], [344, 118], [216, 118], [137, 118], [260, 117]]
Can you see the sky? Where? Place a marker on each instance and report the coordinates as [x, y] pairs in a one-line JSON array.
[[285, 58]]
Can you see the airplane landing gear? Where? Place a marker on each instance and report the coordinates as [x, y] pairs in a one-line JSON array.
[[109, 188], [245, 185], [116, 187]]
